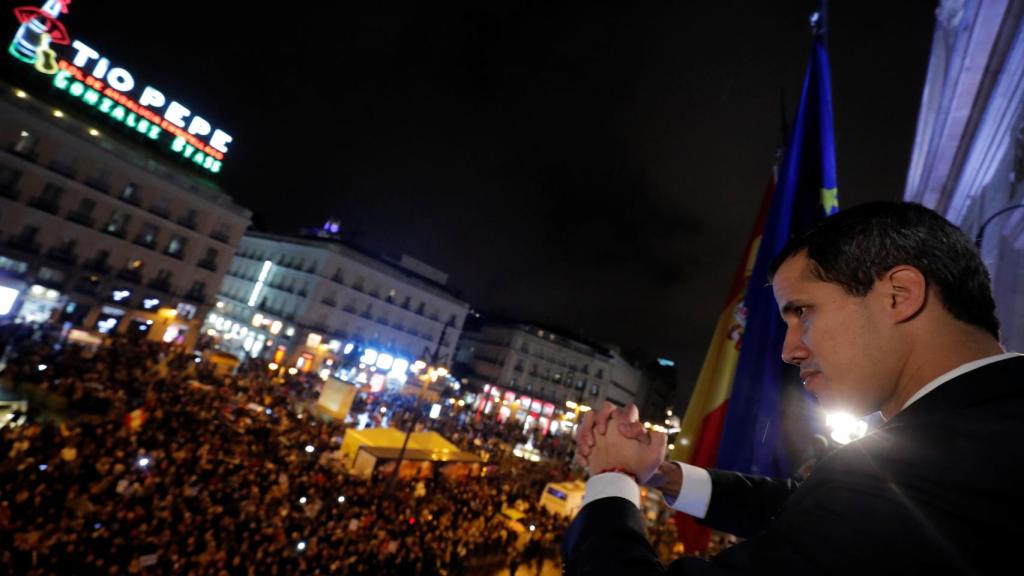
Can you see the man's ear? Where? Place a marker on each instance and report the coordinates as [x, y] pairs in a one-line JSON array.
[[906, 292]]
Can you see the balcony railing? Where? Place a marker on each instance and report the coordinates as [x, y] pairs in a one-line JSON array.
[[24, 244], [64, 169], [62, 255], [82, 218], [160, 284], [145, 241], [10, 191], [198, 296], [44, 204], [130, 274], [96, 265], [117, 232], [98, 184]]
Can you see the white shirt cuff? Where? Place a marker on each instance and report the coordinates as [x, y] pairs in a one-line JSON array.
[[695, 495], [612, 484]]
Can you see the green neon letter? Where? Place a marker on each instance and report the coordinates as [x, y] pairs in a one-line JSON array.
[[60, 79], [91, 97]]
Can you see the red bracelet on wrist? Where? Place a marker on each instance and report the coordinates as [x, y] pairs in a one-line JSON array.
[[620, 471]]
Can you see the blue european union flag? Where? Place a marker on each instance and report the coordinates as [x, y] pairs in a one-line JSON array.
[[753, 437]]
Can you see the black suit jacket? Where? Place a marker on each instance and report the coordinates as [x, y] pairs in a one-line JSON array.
[[936, 490]]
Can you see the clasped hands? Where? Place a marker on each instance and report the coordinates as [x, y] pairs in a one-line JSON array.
[[614, 438]]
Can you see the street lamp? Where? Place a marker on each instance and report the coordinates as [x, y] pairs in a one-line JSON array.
[[432, 373]]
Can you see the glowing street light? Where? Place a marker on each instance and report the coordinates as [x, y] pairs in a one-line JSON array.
[[845, 428]]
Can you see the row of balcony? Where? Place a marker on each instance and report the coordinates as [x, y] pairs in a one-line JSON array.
[[90, 284], [188, 220]]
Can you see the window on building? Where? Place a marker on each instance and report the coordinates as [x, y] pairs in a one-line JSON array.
[[101, 257], [593, 390], [221, 232], [189, 219], [118, 223], [130, 193], [51, 192], [66, 246], [64, 162], [49, 198], [147, 236], [176, 247], [50, 276], [17, 267], [85, 206], [161, 207], [25, 144], [28, 233], [100, 179], [9, 178]]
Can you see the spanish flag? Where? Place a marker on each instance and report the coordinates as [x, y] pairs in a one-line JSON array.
[[701, 429], [735, 417]]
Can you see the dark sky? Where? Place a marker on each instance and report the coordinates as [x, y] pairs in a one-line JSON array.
[[587, 165]]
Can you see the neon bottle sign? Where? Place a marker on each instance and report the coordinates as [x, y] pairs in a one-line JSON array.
[[88, 76]]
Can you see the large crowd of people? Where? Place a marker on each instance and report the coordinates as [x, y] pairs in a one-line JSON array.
[[136, 458]]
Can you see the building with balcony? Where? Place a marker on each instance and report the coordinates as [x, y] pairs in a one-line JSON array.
[[535, 374], [99, 232], [307, 302]]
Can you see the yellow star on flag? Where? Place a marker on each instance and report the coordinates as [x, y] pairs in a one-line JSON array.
[[830, 200]]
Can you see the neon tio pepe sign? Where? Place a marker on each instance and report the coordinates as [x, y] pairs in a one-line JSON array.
[[84, 74]]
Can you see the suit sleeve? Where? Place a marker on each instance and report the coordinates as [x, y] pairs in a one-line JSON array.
[[608, 538], [744, 504]]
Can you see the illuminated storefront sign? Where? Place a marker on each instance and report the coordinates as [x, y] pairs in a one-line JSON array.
[[84, 74]]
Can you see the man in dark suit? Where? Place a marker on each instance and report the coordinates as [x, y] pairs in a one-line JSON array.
[[888, 308]]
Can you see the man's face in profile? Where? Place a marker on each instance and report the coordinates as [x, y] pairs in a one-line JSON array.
[[834, 338]]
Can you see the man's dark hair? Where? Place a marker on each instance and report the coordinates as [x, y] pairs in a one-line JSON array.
[[855, 247]]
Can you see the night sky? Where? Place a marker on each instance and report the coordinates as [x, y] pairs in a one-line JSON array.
[[586, 165]]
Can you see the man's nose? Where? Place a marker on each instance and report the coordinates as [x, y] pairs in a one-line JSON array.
[[793, 349]]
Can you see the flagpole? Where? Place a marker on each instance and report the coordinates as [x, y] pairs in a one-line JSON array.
[[819, 22]]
